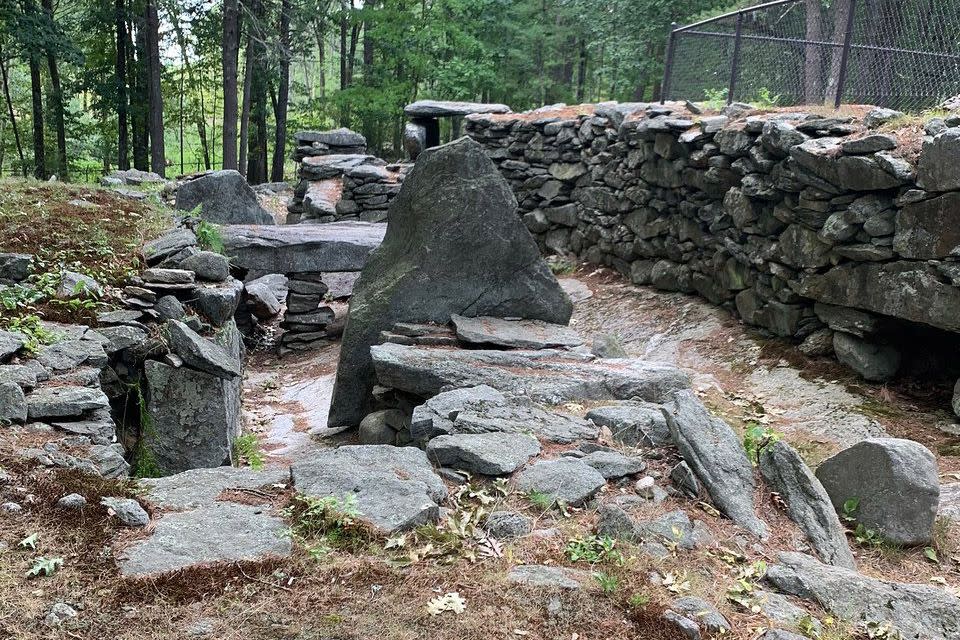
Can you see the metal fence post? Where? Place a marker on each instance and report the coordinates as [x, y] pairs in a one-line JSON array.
[[735, 63], [668, 64], [845, 56]]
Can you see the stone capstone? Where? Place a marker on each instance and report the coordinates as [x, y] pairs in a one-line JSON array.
[[298, 248], [568, 480], [514, 334]]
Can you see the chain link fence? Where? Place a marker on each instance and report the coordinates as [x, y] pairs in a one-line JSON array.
[[902, 54]]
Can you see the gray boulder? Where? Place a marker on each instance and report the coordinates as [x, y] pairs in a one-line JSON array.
[[506, 525], [169, 308], [701, 611], [218, 303], [72, 501], [917, 611], [208, 265], [895, 483], [77, 285], [300, 248], [70, 354], [452, 204], [514, 334], [13, 403], [674, 527], [108, 460], [613, 465], [15, 267], [224, 197], [395, 487], [568, 480], [169, 244], [10, 343], [262, 299], [715, 455], [166, 276], [937, 170], [873, 362], [127, 511], [23, 375], [634, 423], [491, 454], [532, 575], [807, 502], [879, 116], [200, 353], [384, 427], [122, 337]]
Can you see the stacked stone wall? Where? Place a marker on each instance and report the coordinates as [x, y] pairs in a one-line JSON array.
[[818, 228]]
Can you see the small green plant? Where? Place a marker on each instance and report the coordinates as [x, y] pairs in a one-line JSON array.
[[32, 327], [44, 567], [745, 584], [323, 524], [715, 99], [756, 437], [247, 449], [145, 464], [209, 236], [608, 583], [881, 631], [545, 501], [765, 100], [593, 549], [864, 536], [638, 600], [562, 266]]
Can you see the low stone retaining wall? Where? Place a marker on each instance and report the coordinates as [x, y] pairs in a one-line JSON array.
[[818, 228]]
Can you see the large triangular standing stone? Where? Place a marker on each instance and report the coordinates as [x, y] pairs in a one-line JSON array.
[[454, 245]]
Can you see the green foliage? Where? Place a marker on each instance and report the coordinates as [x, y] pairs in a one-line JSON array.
[[594, 550], [561, 266], [324, 524], [608, 583], [756, 437], [745, 585], [638, 600], [764, 99], [145, 464], [208, 234], [247, 449], [864, 536], [546, 502], [716, 99], [33, 329]]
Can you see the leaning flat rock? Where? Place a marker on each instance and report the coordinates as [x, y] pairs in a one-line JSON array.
[[200, 487], [221, 532], [549, 376], [442, 108], [895, 482], [715, 455], [395, 487], [918, 612], [515, 334], [64, 402], [566, 479], [224, 197], [489, 454], [200, 353], [454, 245], [634, 423], [807, 502], [338, 246]]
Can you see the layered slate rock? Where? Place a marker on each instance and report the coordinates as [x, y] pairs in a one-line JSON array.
[[395, 487], [482, 409], [454, 215], [548, 375], [807, 502], [514, 334], [194, 415], [64, 402], [894, 482], [715, 455], [490, 454], [224, 197], [445, 109], [338, 246], [917, 611], [567, 479], [634, 423]]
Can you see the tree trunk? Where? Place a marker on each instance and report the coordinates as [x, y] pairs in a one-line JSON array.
[[841, 17], [257, 152], [36, 92], [245, 105], [582, 71], [229, 60], [283, 95], [13, 117], [813, 54], [56, 94], [158, 158], [344, 79], [120, 70], [137, 69]]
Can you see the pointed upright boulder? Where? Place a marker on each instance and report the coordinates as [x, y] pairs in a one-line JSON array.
[[454, 245]]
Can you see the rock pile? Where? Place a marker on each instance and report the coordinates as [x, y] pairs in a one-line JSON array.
[[815, 228], [327, 143], [306, 318]]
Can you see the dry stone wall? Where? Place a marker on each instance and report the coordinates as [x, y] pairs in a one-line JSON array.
[[813, 227]]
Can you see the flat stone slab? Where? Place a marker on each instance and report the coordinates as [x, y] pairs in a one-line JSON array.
[[220, 532], [64, 402], [338, 246], [395, 487], [200, 487], [535, 575], [567, 479], [515, 334], [442, 108], [491, 454], [549, 376]]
